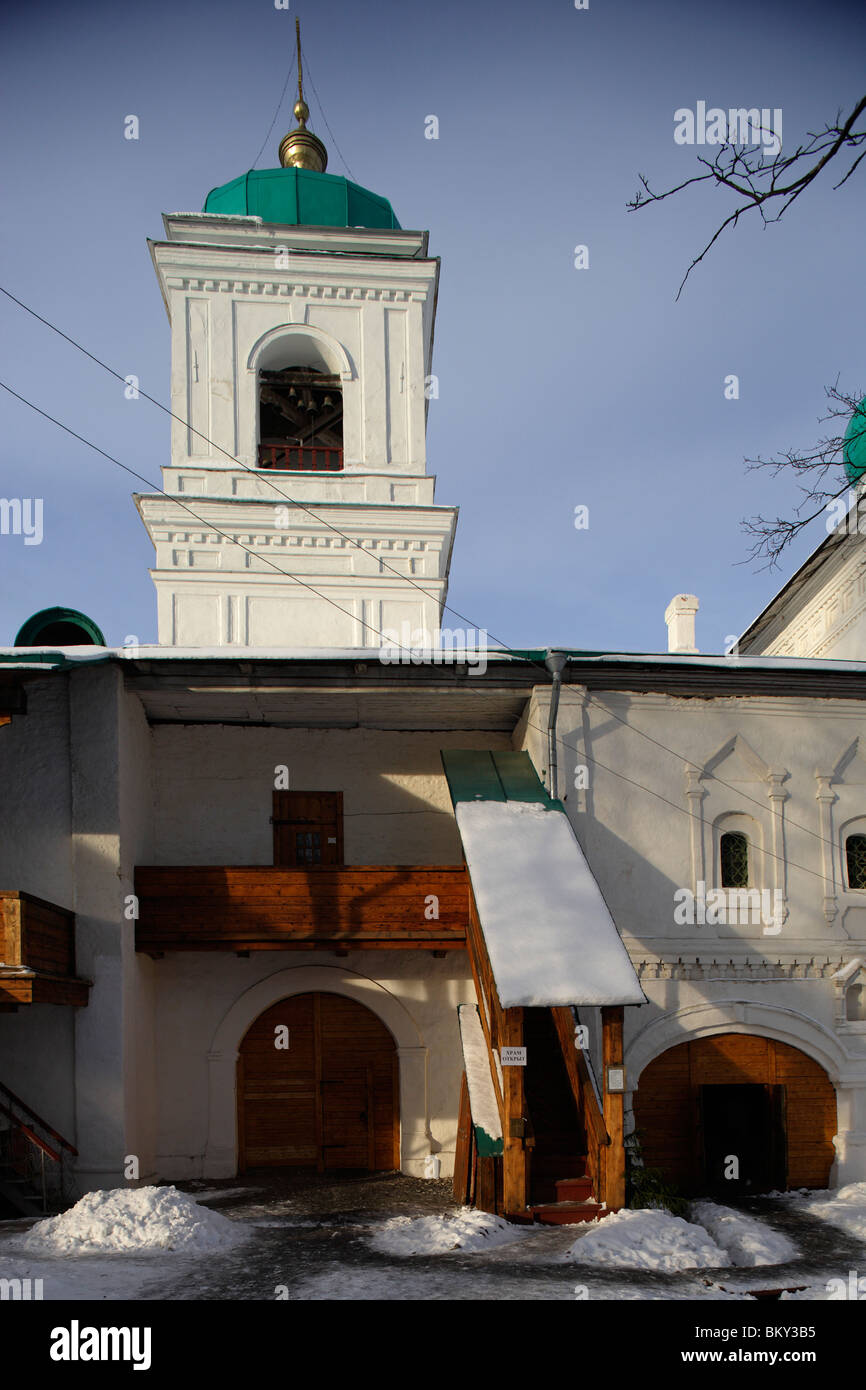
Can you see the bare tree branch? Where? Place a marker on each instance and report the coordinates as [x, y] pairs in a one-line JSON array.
[[761, 184], [819, 467]]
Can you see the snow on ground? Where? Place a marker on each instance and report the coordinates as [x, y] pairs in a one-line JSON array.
[[648, 1240], [91, 1278], [466, 1230], [813, 1293], [343, 1283], [747, 1241], [216, 1194], [131, 1219], [844, 1207]]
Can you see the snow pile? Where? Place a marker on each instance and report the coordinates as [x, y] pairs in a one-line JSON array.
[[131, 1220], [845, 1208], [466, 1230], [747, 1241], [648, 1240]]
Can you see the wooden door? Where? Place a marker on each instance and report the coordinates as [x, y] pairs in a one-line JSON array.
[[802, 1108], [278, 1120], [741, 1121], [329, 1099], [308, 828]]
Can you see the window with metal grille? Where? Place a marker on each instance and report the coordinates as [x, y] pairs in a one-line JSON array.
[[855, 856], [308, 847], [734, 855]]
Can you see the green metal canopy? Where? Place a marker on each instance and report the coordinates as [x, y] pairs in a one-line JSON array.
[[302, 197], [484, 775]]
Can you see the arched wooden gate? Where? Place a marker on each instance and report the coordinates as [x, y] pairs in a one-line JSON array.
[[736, 1095], [317, 1087]]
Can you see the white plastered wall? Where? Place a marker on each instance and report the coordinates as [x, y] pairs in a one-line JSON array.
[[796, 767], [213, 790], [37, 1041], [206, 1001]]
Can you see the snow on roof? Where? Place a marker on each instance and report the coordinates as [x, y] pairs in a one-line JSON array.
[[549, 934], [416, 656], [482, 1097]]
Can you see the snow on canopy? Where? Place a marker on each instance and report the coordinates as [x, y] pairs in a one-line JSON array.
[[549, 934], [482, 1097]]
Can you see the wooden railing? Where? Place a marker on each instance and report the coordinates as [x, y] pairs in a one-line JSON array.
[[37, 954], [36, 934], [586, 1097], [301, 458], [264, 908], [25, 1144]]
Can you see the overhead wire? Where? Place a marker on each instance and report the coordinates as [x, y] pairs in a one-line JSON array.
[[261, 475]]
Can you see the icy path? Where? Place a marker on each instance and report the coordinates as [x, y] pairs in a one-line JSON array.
[[317, 1241]]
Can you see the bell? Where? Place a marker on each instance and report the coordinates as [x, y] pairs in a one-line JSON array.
[[327, 403]]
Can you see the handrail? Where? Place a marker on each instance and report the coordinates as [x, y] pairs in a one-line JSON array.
[[592, 1112], [590, 1069], [29, 1133], [16, 1100], [301, 458]]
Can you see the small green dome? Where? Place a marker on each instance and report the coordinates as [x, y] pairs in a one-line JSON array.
[[301, 198], [855, 444], [59, 627]]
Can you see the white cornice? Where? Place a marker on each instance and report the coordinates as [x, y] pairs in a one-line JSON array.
[[252, 271]]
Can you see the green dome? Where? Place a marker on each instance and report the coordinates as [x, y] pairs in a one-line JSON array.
[[301, 197], [61, 627], [855, 444]]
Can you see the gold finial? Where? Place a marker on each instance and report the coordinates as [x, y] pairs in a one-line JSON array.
[[301, 149]]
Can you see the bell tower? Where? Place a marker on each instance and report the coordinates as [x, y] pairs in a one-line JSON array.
[[299, 512]]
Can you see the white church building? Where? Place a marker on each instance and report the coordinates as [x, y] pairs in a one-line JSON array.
[[283, 890]]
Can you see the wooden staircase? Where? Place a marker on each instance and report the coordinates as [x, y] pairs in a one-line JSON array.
[[561, 1189], [35, 1168], [561, 1158]]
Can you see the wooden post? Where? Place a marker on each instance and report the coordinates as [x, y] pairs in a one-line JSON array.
[[463, 1151], [614, 1102], [514, 1194]]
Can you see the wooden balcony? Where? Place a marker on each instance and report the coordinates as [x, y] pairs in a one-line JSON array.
[[37, 953], [263, 908]]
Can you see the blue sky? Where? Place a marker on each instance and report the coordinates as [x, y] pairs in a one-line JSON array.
[[558, 387]]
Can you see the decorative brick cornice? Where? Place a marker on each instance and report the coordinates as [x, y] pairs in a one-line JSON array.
[[758, 970], [281, 289]]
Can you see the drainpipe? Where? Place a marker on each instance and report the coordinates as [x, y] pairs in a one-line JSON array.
[[555, 663]]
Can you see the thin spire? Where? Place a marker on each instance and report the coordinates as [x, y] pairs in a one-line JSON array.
[[301, 149], [300, 69]]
